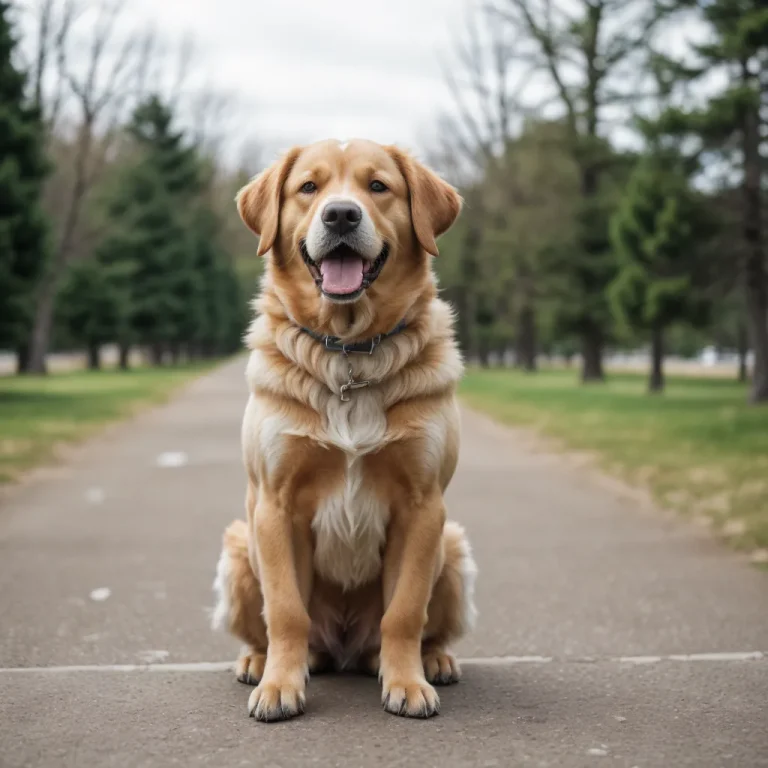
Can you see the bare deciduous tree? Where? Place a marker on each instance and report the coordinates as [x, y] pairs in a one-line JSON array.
[[98, 91], [53, 24], [590, 53], [485, 91], [488, 80], [210, 112]]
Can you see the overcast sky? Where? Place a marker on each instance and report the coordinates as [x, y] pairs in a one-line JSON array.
[[303, 70]]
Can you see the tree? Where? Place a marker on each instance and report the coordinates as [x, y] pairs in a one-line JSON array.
[[657, 235], [733, 126], [23, 227], [100, 88], [165, 238], [727, 329], [91, 307], [531, 194], [589, 53], [473, 138], [220, 316], [150, 245]]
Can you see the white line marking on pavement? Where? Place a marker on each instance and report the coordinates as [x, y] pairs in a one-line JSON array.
[[640, 659], [100, 594], [223, 666], [95, 495], [723, 656], [505, 660], [197, 666], [753, 656], [171, 459]]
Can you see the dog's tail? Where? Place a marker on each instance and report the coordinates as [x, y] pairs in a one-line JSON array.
[[234, 551]]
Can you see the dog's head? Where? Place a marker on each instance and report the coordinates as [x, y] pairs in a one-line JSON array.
[[348, 224]]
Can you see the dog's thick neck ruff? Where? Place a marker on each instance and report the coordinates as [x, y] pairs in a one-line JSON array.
[[288, 363], [366, 347]]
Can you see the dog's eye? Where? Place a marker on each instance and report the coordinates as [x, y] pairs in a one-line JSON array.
[[378, 186], [308, 187]]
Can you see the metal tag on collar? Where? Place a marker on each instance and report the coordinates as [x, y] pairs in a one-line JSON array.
[[349, 386], [351, 383]]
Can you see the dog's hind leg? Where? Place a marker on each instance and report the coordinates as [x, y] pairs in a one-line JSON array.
[[240, 604], [451, 611]]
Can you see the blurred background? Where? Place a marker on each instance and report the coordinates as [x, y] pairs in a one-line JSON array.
[[610, 153]]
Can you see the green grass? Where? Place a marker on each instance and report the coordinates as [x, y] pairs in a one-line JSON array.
[[38, 415], [699, 448]]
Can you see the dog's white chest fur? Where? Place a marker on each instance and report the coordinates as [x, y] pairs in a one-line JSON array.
[[350, 524]]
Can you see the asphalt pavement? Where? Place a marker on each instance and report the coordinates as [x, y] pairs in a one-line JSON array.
[[610, 633]]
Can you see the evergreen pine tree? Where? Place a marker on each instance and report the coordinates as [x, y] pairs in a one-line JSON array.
[[658, 236], [89, 308], [733, 124], [23, 227], [151, 212]]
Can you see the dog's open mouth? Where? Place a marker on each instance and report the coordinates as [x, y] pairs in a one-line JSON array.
[[343, 274]]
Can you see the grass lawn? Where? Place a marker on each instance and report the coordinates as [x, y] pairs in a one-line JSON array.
[[39, 414], [699, 447]]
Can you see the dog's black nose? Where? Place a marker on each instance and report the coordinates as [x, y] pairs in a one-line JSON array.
[[342, 217]]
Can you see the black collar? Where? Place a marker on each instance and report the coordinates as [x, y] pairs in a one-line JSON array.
[[334, 343]]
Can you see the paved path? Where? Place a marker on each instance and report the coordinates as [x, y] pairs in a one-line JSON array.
[[608, 634]]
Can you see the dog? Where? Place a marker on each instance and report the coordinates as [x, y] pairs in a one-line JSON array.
[[350, 436]]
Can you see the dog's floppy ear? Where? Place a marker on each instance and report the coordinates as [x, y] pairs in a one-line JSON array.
[[258, 202], [435, 204]]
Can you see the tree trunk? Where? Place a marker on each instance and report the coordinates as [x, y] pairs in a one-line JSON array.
[[94, 357], [156, 353], [22, 359], [125, 352], [482, 354], [754, 267], [742, 343], [41, 329], [656, 381], [757, 306], [466, 302], [592, 354], [175, 353], [526, 347], [592, 336]]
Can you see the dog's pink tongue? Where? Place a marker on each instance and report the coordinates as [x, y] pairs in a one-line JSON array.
[[342, 274]]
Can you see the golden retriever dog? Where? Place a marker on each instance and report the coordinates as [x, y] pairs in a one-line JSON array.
[[350, 436]]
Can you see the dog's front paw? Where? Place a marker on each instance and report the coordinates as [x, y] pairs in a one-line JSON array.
[[275, 699], [250, 667], [441, 667], [410, 698]]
